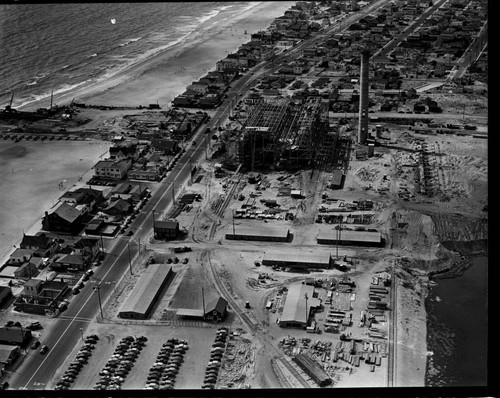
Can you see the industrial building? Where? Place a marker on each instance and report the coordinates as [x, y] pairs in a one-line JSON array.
[[147, 289], [167, 230], [350, 238], [297, 308], [288, 135], [215, 310], [259, 231], [298, 260], [313, 369]]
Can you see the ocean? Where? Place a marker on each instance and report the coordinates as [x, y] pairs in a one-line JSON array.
[[59, 47], [457, 333]]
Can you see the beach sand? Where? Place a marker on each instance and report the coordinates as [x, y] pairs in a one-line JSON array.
[[165, 75], [31, 174], [32, 171], [33, 185]]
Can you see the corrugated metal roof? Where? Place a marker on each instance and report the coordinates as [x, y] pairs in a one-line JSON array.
[[294, 309], [259, 229], [297, 257], [190, 312], [346, 235], [146, 288]]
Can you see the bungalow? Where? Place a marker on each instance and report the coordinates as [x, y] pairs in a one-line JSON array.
[[70, 263], [27, 271], [124, 150], [20, 256], [64, 218], [40, 243], [118, 207]]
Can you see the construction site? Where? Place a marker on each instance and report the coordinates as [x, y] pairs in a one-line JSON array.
[[308, 238]]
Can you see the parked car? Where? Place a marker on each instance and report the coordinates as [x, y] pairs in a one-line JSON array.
[[35, 345], [44, 349]]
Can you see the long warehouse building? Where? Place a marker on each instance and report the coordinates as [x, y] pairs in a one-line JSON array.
[[259, 232], [298, 260], [350, 238], [145, 292], [295, 313]]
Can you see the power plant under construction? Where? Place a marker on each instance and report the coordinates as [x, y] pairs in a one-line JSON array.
[[280, 134]]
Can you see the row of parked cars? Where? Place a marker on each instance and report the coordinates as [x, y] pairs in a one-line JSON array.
[[164, 371], [216, 354], [119, 364], [77, 364]]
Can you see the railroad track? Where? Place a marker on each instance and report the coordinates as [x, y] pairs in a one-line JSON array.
[[255, 329], [391, 357]]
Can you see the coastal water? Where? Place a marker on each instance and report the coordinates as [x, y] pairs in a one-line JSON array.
[[58, 47], [457, 329]]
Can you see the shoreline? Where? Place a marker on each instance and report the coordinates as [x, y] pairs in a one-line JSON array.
[[145, 76], [126, 82]]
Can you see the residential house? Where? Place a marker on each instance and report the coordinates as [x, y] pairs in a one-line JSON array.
[[41, 297], [124, 150], [40, 243], [26, 271], [64, 218], [33, 287], [20, 256], [8, 355], [198, 87], [14, 335], [87, 247], [118, 207], [70, 263], [165, 146]]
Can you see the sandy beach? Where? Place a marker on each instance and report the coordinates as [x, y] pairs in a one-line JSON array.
[[30, 184], [163, 76], [32, 172]]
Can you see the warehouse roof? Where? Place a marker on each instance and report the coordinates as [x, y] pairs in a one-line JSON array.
[[347, 235], [146, 288], [190, 312], [298, 257], [294, 309], [258, 229]]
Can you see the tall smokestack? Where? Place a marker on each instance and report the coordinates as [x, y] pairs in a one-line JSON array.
[[363, 99]]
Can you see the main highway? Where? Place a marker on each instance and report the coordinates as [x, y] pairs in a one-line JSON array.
[[37, 370]]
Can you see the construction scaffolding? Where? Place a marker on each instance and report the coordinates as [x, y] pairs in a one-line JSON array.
[[288, 136]]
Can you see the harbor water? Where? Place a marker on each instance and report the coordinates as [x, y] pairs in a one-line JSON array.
[[457, 338]]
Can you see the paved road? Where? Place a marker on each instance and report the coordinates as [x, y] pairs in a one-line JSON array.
[[61, 337], [409, 29]]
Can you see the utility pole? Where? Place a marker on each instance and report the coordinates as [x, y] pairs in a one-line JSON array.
[[97, 289], [129, 259], [306, 297]]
